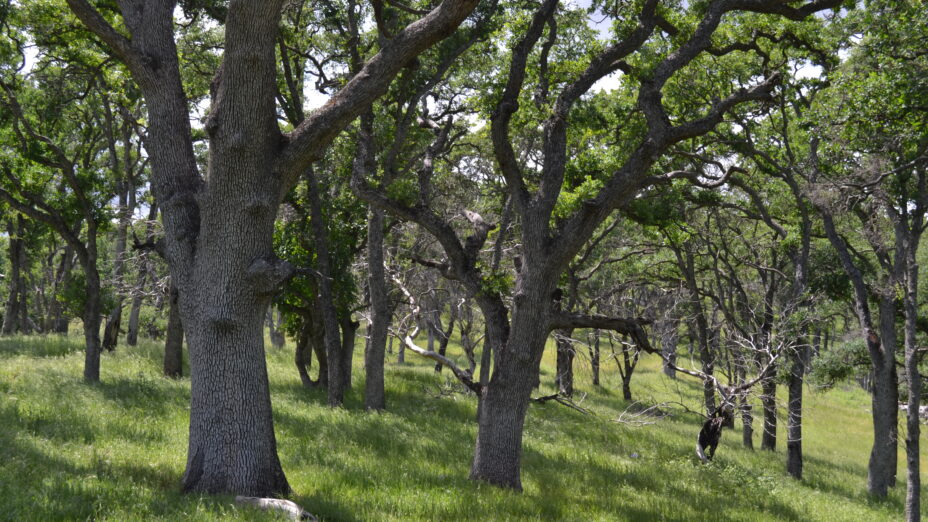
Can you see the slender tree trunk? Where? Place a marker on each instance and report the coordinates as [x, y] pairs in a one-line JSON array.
[[145, 270], [273, 325], [132, 330], [11, 315], [66, 263], [794, 416], [333, 346], [174, 339], [564, 380], [349, 329], [444, 336], [768, 399], [669, 338], [374, 396], [914, 381], [303, 357], [747, 422], [113, 322], [594, 357], [92, 316]]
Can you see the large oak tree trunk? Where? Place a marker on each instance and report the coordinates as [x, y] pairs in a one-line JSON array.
[[225, 296], [505, 400]]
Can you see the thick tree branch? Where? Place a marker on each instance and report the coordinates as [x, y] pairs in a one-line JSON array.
[[624, 326]]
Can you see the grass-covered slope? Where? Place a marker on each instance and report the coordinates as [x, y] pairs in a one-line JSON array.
[[116, 450]]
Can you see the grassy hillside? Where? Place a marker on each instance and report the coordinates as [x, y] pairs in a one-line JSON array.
[[116, 450]]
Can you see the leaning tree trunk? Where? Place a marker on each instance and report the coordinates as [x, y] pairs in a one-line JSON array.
[[794, 415], [174, 339], [374, 396]]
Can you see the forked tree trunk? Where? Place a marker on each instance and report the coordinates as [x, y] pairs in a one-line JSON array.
[[174, 339], [374, 396]]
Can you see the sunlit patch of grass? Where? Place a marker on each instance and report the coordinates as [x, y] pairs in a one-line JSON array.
[[116, 450]]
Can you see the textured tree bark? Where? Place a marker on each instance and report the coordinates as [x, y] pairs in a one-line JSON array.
[[885, 399], [374, 396], [794, 415], [174, 339], [498, 451], [219, 227]]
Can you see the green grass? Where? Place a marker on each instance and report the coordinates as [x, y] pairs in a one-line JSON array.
[[116, 450]]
